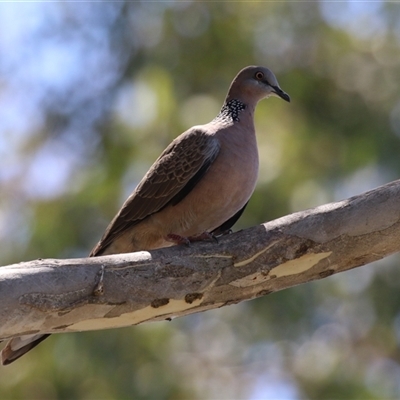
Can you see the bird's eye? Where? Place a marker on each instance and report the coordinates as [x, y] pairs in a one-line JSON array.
[[259, 75]]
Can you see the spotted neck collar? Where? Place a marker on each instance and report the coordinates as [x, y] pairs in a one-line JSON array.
[[230, 111]]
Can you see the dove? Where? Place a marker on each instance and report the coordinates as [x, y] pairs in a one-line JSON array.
[[196, 189], [201, 183]]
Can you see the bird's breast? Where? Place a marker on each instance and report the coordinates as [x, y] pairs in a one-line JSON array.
[[224, 189]]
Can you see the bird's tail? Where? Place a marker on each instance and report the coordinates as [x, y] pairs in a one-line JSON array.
[[18, 346]]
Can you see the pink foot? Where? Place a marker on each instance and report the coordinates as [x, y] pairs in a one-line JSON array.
[[177, 239]]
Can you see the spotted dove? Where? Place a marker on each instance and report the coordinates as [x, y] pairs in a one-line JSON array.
[[198, 187]]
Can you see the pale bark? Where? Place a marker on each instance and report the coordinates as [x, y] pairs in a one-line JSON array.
[[115, 291]]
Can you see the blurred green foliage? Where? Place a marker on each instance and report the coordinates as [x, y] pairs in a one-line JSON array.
[[91, 94]]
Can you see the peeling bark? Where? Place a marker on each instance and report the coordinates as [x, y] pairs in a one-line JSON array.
[[50, 296]]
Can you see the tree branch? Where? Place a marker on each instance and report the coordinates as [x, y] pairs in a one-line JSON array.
[[127, 289]]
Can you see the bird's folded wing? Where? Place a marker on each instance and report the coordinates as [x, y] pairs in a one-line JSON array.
[[173, 175], [227, 225]]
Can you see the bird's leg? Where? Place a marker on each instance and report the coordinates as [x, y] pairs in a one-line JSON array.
[[177, 239]]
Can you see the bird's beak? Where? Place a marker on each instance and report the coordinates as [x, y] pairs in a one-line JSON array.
[[280, 93]]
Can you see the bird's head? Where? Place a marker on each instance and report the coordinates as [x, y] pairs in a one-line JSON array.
[[253, 83]]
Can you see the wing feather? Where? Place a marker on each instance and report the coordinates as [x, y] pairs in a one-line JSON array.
[[173, 175]]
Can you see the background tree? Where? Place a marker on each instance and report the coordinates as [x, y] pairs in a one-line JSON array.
[[90, 94]]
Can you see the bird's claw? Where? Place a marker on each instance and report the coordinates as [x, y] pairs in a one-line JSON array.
[[205, 236]]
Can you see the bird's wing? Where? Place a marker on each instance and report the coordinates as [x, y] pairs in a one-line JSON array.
[[227, 225], [173, 175]]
